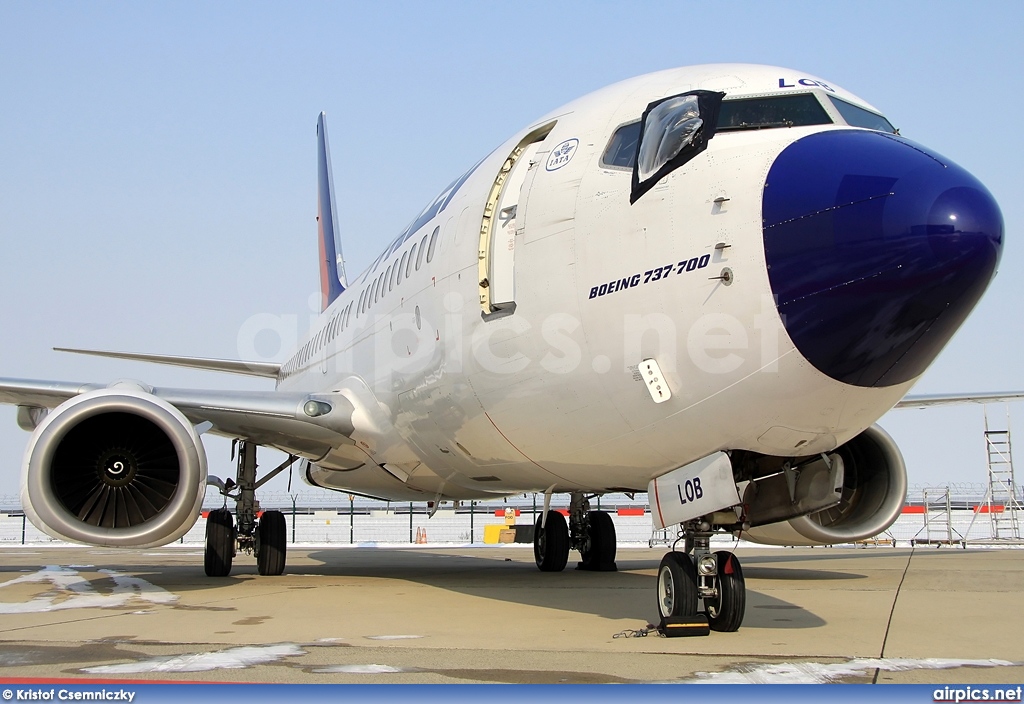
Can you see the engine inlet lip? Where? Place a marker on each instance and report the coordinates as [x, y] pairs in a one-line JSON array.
[[888, 512], [48, 508]]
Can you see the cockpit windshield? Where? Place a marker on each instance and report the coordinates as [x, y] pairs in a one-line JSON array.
[[733, 115], [857, 116], [776, 111]]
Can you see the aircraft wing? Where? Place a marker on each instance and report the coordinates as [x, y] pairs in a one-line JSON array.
[[925, 400], [232, 366], [271, 418]]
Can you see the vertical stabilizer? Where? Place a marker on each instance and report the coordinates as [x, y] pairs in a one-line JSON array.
[[332, 265]]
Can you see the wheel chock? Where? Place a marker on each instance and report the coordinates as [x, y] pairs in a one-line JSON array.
[[676, 626]]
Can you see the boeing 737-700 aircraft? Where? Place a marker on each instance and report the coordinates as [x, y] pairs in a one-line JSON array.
[[706, 283]]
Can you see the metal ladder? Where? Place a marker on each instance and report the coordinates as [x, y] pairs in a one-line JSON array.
[[938, 519], [939, 526], [1001, 502]]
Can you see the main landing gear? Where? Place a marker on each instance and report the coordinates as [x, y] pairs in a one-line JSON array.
[[699, 574], [592, 533], [262, 534]]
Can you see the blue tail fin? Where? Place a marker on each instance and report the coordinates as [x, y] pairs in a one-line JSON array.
[[332, 265]]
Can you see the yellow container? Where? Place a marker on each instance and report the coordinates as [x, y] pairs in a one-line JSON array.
[[492, 533]]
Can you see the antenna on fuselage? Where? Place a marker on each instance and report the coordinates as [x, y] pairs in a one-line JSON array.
[[332, 264]]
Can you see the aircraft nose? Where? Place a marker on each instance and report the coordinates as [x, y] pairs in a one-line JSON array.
[[877, 250]]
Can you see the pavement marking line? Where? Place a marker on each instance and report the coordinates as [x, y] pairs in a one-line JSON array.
[[65, 622]]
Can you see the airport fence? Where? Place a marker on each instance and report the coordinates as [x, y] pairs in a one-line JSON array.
[[327, 518]]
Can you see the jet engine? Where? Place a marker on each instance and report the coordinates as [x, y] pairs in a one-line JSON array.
[[115, 467], [874, 489]]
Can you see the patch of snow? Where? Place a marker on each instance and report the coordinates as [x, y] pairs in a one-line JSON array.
[[362, 669], [230, 659], [391, 637], [823, 673], [72, 591]]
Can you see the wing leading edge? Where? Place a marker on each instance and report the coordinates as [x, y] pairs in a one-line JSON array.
[[926, 400], [232, 366]]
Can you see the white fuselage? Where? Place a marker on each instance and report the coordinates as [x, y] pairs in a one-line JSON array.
[[455, 404]]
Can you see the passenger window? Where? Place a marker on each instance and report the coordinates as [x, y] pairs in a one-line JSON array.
[[412, 255], [423, 248], [433, 244], [391, 277], [401, 267]]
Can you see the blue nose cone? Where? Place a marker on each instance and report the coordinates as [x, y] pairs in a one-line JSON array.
[[877, 249]]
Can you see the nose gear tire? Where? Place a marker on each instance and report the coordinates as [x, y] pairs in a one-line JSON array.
[[677, 586], [725, 612]]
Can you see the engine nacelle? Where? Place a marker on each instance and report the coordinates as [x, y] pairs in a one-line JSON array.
[[116, 467], [874, 491]]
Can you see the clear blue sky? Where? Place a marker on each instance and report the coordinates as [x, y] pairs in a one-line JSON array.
[[157, 160]]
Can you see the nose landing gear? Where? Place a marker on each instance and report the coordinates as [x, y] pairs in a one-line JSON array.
[[699, 574]]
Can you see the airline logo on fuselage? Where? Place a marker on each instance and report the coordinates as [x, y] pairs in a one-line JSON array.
[[807, 83], [562, 154]]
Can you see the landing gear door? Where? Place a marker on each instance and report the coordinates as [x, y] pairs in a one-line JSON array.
[[498, 227], [697, 489]]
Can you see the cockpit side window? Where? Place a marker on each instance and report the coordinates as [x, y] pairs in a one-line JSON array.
[[857, 116], [673, 131], [621, 150]]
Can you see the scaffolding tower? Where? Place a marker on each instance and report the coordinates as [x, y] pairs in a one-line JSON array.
[[938, 519], [1002, 499]]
